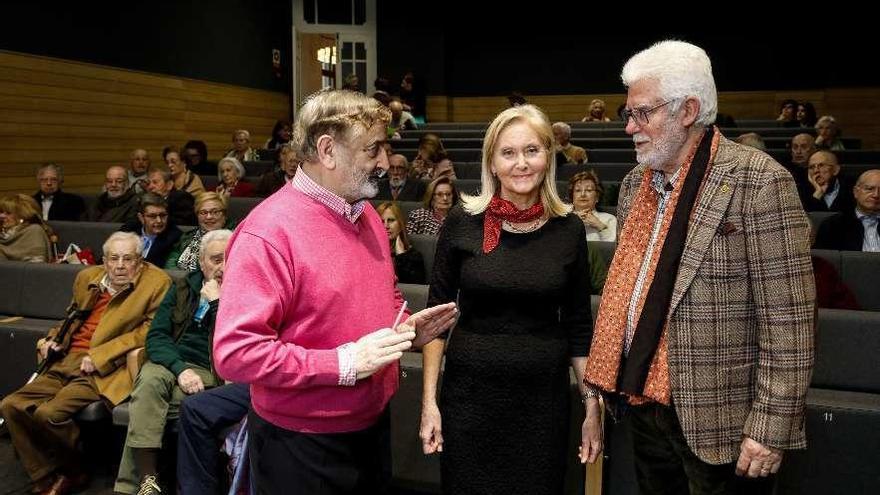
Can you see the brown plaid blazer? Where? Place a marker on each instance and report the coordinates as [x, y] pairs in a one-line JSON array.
[[741, 319]]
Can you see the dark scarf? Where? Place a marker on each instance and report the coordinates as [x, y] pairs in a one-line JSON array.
[[500, 210]]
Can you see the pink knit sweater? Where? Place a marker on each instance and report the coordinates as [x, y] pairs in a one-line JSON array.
[[301, 281]]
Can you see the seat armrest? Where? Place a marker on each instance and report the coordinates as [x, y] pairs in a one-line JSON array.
[[134, 360]]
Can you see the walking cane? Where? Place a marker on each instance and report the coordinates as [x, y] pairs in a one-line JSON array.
[[73, 315]]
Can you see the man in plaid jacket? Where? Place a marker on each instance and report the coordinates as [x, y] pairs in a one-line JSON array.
[[706, 323]]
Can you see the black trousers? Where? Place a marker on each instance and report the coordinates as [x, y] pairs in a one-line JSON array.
[[285, 461], [666, 465]]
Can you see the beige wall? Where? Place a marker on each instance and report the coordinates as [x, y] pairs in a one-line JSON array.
[[87, 117], [856, 109], [309, 76]]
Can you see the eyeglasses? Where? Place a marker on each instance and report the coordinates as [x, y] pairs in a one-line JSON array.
[[215, 213], [640, 114], [124, 260], [154, 216], [529, 152]]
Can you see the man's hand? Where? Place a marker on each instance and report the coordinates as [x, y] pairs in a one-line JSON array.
[[757, 460], [818, 189], [429, 323], [87, 366], [49, 344], [211, 290], [190, 382], [376, 350]]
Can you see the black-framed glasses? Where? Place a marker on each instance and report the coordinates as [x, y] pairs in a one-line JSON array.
[[640, 114]]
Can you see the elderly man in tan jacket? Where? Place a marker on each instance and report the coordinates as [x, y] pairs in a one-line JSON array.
[[121, 298]]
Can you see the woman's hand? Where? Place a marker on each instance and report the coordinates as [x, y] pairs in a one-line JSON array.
[[591, 433], [431, 428], [592, 220]]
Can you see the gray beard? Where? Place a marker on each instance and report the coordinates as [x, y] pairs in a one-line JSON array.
[[396, 182]]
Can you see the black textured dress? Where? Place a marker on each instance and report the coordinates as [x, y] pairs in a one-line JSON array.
[[525, 312]]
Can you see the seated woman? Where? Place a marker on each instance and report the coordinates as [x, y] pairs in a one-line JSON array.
[[828, 134], [281, 134], [439, 198], [586, 191], [806, 114], [408, 262], [232, 183], [431, 161], [597, 112], [23, 234], [210, 210], [184, 179]]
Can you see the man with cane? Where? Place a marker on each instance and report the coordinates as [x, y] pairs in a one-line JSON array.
[[119, 300]]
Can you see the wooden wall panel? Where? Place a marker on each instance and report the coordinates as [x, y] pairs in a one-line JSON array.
[[88, 117]]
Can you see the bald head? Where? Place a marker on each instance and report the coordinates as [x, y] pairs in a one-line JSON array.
[[802, 146], [140, 162], [867, 192], [396, 109]]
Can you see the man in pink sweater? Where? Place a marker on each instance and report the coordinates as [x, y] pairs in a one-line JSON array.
[[308, 312]]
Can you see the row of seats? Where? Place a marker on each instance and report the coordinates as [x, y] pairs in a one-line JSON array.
[[603, 132], [593, 143], [628, 155], [614, 124]]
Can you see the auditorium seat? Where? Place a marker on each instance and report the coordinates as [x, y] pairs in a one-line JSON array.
[[238, 208], [426, 245], [861, 272], [84, 234], [846, 345]]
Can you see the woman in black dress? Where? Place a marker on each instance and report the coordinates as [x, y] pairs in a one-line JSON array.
[[517, 262]]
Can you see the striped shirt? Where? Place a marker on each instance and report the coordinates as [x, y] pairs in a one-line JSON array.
[[871, 242]]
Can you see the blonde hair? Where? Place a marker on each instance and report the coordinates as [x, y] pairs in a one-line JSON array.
[[339, 113], [209, 196], [540, 124], [394, 208]]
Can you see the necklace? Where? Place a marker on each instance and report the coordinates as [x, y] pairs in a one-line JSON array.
[[533, 226]]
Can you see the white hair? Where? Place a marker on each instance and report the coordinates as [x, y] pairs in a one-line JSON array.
[[127, 237], [239, 168], [682, 70], [246, 134], [213, 236], [562, 126]]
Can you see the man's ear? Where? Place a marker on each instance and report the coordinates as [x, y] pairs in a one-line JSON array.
[[690, 110], [327, 150]]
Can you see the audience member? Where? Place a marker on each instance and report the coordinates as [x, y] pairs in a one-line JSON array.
[[196, 157], [409, 265], [351, 82], [430, 154], [585, 191], [752, 139], [412, 95], [273, 180], [855, 229], [184, 179], [399, 187], [138, 165], [516, 99], [802, 146], [119, 300], [179, 364], [597, 112], [158, 235], [401, 120], [241, 147], [280, 135], [118, 202], [24, 236], [232, 183], [828, 134], [788, 113], [203, 417], [180, 203], [440, 196], [565, 151], [57, 204], [829, 191], [211, 211], [806, 114]]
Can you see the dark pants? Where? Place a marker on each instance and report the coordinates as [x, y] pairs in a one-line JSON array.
[[284, 461], [203, 417], [666, 465]]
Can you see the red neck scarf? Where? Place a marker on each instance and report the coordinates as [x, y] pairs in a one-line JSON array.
[[500, 210]]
